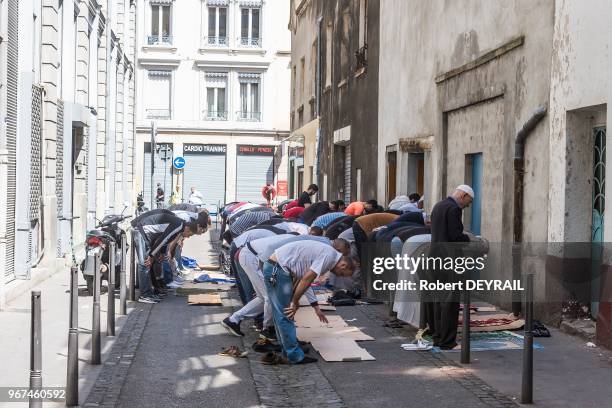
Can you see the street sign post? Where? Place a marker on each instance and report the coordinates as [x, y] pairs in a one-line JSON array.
[[179, 162]]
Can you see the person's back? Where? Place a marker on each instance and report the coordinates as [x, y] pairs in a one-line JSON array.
[[196, 197]]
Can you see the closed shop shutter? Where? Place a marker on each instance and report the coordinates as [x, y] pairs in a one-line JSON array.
[[162, 175], [254, 168], [347, 174], [205, 170], [11, 134], [59, 174], [36, 176]]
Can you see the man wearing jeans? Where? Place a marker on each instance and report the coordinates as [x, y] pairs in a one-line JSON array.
[[153, 231], [250, 260], [303, 261]]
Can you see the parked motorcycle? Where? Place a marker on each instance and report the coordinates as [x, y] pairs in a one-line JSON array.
[[108, 230]]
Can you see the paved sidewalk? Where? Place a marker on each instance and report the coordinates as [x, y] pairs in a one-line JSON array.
[[15, 341]]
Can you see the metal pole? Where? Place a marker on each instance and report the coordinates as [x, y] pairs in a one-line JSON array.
[[72, 378], [35, 349], [110, 312], [122, 288], [95, 329], [133, 270], [527, 388], [465, 339], [153, 147]]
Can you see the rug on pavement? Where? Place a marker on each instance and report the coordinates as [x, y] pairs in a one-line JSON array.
[[489, 341], [493, 322]]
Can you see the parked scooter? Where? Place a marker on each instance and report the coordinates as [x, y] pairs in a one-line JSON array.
[[99, 239]]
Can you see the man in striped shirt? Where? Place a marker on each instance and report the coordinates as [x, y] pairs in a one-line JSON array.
[[153, 231], [324, 220], [248, 220]]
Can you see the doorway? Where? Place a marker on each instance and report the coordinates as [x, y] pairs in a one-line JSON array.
[[598, 210], [473, 176], [391, 174]]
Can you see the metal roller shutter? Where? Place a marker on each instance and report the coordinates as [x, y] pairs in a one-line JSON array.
[[11, 133], [347, 174], [59, 174], [254, 168], [162, 175], [205, 169]]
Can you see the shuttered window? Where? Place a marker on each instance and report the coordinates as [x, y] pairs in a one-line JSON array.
[[158, 95]]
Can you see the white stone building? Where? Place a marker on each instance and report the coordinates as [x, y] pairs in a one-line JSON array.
[[214, 77], [66, 108]]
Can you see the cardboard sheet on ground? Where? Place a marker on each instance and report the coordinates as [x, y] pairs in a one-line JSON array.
[[210, 267], [306, 317], [335, 349], [206, 299], [351, 333], [190, 288]]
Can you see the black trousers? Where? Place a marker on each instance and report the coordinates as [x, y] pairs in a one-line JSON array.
[[446, 320]]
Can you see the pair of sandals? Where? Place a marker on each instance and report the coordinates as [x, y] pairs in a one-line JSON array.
[[233, 351]]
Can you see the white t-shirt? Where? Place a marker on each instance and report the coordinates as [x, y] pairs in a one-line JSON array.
[[301, 256], [250, 235], [301, 229], [196, 198]]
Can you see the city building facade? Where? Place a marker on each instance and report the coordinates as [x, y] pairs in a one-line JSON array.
[[514, 99], [66, 138], [334, 97], [213, 79]]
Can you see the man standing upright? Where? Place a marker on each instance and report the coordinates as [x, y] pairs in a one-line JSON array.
[[447, 227], [305, 200], [196, 197]]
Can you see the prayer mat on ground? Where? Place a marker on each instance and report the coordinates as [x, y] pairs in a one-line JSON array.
[[490, 341], [207, 299], [493, 322], [334, 349]]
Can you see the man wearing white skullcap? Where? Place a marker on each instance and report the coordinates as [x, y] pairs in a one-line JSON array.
[[442, 309]]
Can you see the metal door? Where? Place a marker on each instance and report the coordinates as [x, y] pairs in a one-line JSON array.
[[347, 173], [477, 187], [254, 168], [598, 210], [205, 170]]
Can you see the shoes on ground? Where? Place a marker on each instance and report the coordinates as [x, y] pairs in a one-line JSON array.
[[307, 360], [147, 300], [232, 328], [274, 359], [268, 333], [265, 346]]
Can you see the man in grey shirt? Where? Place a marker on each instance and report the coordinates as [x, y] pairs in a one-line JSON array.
[[303, 261], [250, 260]]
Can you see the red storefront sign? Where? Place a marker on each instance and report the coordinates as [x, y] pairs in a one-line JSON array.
[[281, 188]]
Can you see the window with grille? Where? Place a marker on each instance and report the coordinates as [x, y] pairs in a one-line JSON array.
[[216, 96], [217, 26], [160, 23], [250, 23]]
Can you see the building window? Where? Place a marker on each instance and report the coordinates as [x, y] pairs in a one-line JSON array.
[[294, 86], [217, 26], [216, 96], [250, 94], [250, 22], [302, 78], [328, 56], [158, 90], [160, 24], [361, 53]]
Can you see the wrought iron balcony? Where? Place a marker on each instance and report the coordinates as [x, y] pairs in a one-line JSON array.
[[249, 42], [215, 115], [248, 116], [158, 114], [362, 57], [216, 41], [159, 40]]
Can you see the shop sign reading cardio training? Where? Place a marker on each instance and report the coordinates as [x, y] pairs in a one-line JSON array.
[[204, 149]]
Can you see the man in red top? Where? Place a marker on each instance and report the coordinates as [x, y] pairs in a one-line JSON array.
[[294, 212]]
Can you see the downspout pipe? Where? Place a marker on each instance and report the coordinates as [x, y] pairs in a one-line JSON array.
[[519, 185], [318, 144]]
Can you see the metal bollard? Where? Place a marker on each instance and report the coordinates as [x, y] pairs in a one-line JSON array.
[[36, 349], [72, 376], [465, 339], [527, 386], [110, 309], [133, 270], [95, 327], [122, 288]]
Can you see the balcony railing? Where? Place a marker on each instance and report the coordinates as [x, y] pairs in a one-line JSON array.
[[362, 57], [159, 40], [248, 116], [215, 115], [216, 41], [158, 114], [249, 42]]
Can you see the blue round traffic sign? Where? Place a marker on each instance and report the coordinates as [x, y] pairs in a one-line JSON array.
[[178, 163]]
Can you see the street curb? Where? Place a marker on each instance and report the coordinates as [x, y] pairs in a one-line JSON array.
[[108, 385]]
